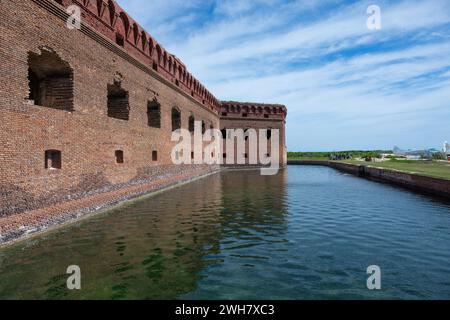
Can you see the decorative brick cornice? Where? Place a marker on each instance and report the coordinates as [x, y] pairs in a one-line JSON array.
[[239, 110], [109, 19]]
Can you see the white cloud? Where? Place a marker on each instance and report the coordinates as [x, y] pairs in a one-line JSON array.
[[313, 57]]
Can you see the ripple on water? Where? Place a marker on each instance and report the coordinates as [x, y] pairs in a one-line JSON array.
[[308, 233]]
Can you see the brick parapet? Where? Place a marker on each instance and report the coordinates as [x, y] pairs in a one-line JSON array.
[[250, 110], [110, 20]]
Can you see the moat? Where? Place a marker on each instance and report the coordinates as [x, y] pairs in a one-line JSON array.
[[308, 233]]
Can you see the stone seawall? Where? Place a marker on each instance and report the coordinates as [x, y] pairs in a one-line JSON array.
[[433, 186]]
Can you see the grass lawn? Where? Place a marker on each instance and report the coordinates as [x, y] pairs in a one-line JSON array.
[[435, 169]]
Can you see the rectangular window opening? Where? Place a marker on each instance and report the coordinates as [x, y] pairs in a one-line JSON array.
[[154, 114], [53, 160], [119, 157]]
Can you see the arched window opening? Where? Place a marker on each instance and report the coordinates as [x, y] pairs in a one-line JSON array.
[[120, 40], [50, 81]]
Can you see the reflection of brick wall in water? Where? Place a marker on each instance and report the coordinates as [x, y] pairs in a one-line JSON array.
[[72, 100]]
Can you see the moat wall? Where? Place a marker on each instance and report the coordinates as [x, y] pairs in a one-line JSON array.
[[433, 186]]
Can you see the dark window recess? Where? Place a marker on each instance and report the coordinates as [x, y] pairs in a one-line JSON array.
[[177, 82], [191, 124], [118, 102], [155, 155], [245, 115], [120, 40], [176, 119], [203, 127], [50, 81], [269, 134], [155, 66], [154, 114], [266, 116], [224, 133], [246, 135], [224, 114], [192, 155], [224, 155], [119, 157], [53, 159]]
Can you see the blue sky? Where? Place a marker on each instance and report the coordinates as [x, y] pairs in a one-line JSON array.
[[345, 86]]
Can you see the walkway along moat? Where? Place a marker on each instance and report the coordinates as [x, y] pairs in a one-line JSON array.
[[307, 233]]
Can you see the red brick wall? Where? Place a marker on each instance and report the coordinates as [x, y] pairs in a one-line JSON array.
[[236, 115], [59, 93], [86, 136]]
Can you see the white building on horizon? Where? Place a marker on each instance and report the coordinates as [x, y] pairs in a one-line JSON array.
[[446, 148]]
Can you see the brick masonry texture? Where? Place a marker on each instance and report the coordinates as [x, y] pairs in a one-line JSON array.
[[72, 117]]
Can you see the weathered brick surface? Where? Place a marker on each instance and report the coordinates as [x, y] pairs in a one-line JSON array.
[[77, 122]]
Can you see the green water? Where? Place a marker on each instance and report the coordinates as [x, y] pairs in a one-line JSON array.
[[308, 233]]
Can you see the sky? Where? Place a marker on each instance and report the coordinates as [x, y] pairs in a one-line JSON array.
[[346, 86]]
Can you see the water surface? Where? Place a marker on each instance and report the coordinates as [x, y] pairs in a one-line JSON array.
[[307, 233]]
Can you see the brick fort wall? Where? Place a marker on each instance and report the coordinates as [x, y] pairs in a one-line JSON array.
[[91, 111]]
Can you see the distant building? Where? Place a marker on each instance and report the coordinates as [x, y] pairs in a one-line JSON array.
[[446, 150]]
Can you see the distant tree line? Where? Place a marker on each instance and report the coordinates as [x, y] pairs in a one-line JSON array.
[[338, 154]]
